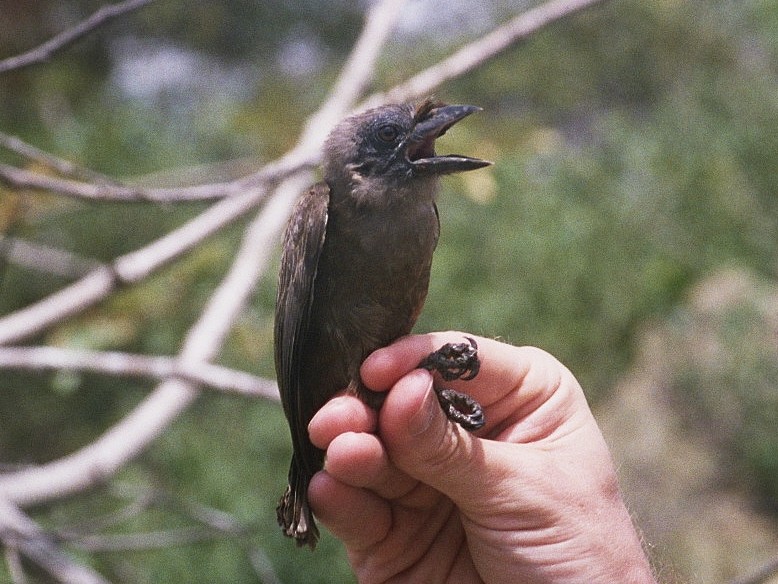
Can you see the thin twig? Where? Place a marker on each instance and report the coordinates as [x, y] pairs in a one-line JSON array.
[[45, 51], [111, 190], [62, 166], [479, 52], [100, 460], [108, 453], [133, 365], [262, 565], [149, 540], [214, 524], [137, 265], [93, 524], [21, 533]]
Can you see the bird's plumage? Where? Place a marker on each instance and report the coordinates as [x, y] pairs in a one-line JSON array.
[[355, 269], [303, 244]]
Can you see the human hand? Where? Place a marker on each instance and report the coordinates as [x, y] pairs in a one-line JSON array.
[[531, 497]]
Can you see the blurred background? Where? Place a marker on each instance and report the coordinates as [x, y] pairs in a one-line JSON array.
[[628, 226]]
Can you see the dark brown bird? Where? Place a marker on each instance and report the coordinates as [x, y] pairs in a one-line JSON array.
[[354, 273]]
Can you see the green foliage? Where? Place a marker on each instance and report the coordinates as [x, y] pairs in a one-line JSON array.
[[726, 364]]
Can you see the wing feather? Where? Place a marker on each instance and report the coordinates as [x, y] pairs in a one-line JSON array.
[[302, 246]]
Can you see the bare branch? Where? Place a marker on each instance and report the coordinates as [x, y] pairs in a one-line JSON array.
[[100, 460], [92, 524], [358, 69], [47, 259], [61, 165], [108, 453], [131, 267], [58, 306], [224, 305], [148, 540], [354, 77], [127, 364], [111, 190], [479, 51], [214, 523], [137, 265], [95, 463], [21, 533], [46, 50]]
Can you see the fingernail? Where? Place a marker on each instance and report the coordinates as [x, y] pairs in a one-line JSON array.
[[421, 420]]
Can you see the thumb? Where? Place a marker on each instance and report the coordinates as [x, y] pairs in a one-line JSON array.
[[421, 441]]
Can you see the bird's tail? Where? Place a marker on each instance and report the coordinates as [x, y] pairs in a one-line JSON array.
[[293, 512]]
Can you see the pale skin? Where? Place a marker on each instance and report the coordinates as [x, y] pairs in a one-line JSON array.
[[532, 497]]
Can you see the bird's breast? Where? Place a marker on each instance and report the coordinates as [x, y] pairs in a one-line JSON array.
[[385, 244]]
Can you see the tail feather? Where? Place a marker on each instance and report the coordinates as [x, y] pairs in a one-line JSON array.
[[293, 512]]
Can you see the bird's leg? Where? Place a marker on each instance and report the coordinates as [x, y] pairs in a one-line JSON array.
[[457, 361]]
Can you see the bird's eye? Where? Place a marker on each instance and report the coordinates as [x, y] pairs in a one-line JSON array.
[[387, 133]]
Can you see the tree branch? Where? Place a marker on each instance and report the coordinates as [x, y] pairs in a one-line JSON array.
[[45, 51], [61, 165], [101, 459], [248, 192], [354, 76], [44, 258], [131, 365], [478, 52], [57, 307], [111, 190], [357, 71], [21, 533]]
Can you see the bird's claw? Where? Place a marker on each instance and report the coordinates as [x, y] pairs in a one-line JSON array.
[[457, 361], [462, 409], [454, 361]]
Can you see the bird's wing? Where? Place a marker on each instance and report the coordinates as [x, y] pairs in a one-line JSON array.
[[303, 242]]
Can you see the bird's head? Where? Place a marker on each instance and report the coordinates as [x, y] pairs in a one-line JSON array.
[[393, 146]]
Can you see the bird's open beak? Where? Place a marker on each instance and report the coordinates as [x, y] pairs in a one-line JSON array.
[[421, 144]]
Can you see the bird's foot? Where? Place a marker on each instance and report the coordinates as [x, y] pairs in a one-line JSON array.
[[454, 361], [462, 409], [457, 361]]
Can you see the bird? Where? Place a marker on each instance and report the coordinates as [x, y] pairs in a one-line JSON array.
[[354, 273]]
